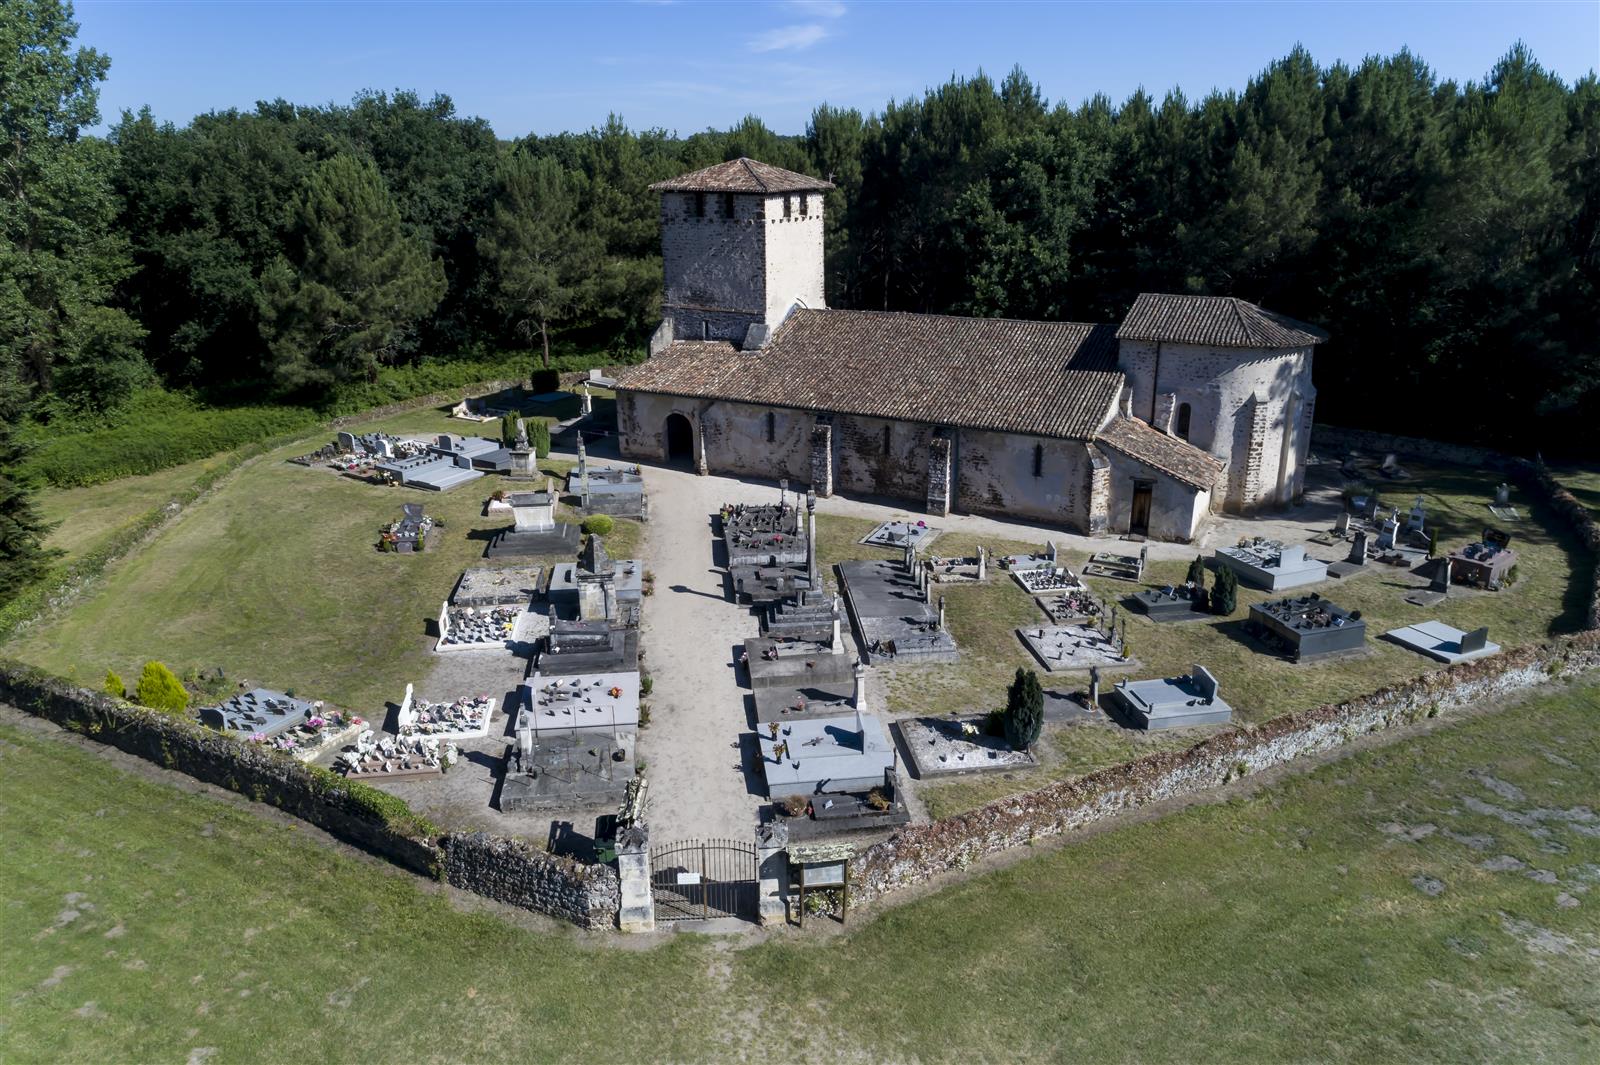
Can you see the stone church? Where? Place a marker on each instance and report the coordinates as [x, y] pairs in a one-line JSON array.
[[1191, 404]]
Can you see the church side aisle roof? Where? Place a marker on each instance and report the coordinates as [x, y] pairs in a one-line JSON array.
[[1045, 378], [1169, 454], [1221, 321], [742, 175]]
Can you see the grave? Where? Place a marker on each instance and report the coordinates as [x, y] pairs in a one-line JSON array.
[[567, 769], [1501, 507], [1048, 558], [534, 530], [407, 757], [522, 460], [1117, 567], [825, 756], [1044, 580], [465, 718], [598, 587], [258, 714], [574, 648], [1069, 606], [1070, 648], [787, 663], [1169, 604], [1356, 562], [801, 687], [1269, 564], [1438, 585], [614, 490], [769, 555], [888, 600], [1484, 564], [409, 534], [944, 746], [488, 628], [1173, 702], [901, 535], [1308, 627], [966, 568], [588, 702], [813, 617], [492, 586], [1444, 642]]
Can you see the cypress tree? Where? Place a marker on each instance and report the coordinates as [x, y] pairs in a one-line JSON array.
[[1197, 572], [160, 689], [22, 554], [1225, 594], [1024, 716]]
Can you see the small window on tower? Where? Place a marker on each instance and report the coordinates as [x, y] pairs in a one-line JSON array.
[[788, 206], [1038, 460], [705, 329], [699, 205], [1183, 421], [727, 205], [805, 205], [886, 439], [772, 428]]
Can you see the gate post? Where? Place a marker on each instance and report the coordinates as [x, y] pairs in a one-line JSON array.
[[637, 912], [772, 873]]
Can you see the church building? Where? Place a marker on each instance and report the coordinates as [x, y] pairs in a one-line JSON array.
[[1192, 404]]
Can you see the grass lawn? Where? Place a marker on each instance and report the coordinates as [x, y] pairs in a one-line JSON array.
[[274, 577], [1547, 600], [1434, 900], [87, 517], [1583, 482]]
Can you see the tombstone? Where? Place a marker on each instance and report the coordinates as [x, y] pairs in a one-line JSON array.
[[910, 558], [385, 447], [1414, 521], [588, 400], [1371, 512], [1341, 525], [983, 557], [1144, 556], [1474, 640], [941, 612], [1502, 495], [1094, 687], [1441, 578], [345, 441], [447, 441], [1358, 550], [1390, 461], [1391, 529], [1050, 551], [521, 442]]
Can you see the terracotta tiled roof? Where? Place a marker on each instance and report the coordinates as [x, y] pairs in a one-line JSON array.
[[742, 175], [1179, 458], [1046, 378], [1221, 321]]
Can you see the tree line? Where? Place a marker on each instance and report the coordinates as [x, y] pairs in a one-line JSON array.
[[1444, 234]]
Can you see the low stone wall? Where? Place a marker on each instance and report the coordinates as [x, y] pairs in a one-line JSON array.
[[921, 852], [1335, 438], [512, 872], [450, 396], [1537, 478]]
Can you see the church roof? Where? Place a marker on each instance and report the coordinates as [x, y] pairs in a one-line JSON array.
[[1169, 454], [1220, 321], [742, 175], [1045, 378]]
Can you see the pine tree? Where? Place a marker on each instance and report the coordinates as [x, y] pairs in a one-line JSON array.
[[160, 689], [22, 554], [1024, 716], [348, 296], [1225, 594]]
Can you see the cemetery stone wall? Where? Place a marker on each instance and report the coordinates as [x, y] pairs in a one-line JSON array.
[[512, 872], [1337, 441]]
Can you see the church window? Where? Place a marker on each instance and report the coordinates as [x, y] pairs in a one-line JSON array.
[[1038, 460], [788, 206], [1183, 421], [699, 205], [727, 205], [805, 205], [772, 428], [886, 438], [705, 329]]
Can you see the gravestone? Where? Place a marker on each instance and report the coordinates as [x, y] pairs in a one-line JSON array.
[[1341, 525], [1502, 495], [588, 400], [345, 441], [1475, 640], [1441, 578], [1358, 550], [1371, 513], [1391, 530]]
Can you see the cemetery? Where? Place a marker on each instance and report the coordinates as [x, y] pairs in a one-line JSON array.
[[1069, 606], [1170, 603], [1044, 580], [574, 648], [1272, 566], [892, 607], [1308, 627], [769, 557], [822, 757], [564, 771], [1117, 567], [597, 587], [615, 490], [1486, 564], [482, 586], [534, 529], [1172, 702], [259, 713], [409, 757], [466, 718]]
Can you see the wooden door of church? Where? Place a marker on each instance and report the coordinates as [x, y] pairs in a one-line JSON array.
[[1139, 511]]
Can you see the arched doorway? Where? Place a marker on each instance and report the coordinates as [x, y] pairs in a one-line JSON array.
[[680, 438]]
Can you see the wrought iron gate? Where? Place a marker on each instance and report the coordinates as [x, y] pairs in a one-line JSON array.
[[703, 878]]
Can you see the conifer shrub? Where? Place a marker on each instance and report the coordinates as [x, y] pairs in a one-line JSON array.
[[160, 689], [1225, 595], [1024, 710], [599, 524], [114, 685]]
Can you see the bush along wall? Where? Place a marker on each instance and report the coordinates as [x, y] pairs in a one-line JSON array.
[[506, 870]]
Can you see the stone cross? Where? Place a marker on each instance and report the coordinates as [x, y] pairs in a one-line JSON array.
[[910, 557]]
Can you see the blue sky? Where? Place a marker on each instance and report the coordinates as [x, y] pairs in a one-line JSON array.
[[685, 65]]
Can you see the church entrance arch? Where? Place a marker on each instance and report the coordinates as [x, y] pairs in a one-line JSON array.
[[680, 438]]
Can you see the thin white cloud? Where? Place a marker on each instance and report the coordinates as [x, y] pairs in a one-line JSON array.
[[789, 38], [819, 8]]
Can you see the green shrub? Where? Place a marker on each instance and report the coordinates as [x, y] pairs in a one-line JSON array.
[[599, 524], [1225, 595], [114, 685], [160, 689], [1024, 710], [540, 434], [1197, 572]]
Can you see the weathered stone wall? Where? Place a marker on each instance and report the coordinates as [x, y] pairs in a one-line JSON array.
[[995, 475], [862, 466], [919, 852], [382, 824], [1337, 440], [1220, 386], [512, 872], [1175, 508]]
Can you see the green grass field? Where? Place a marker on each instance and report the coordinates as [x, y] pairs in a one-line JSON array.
[[1434, 900], [1547, 600], [274, 577]]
